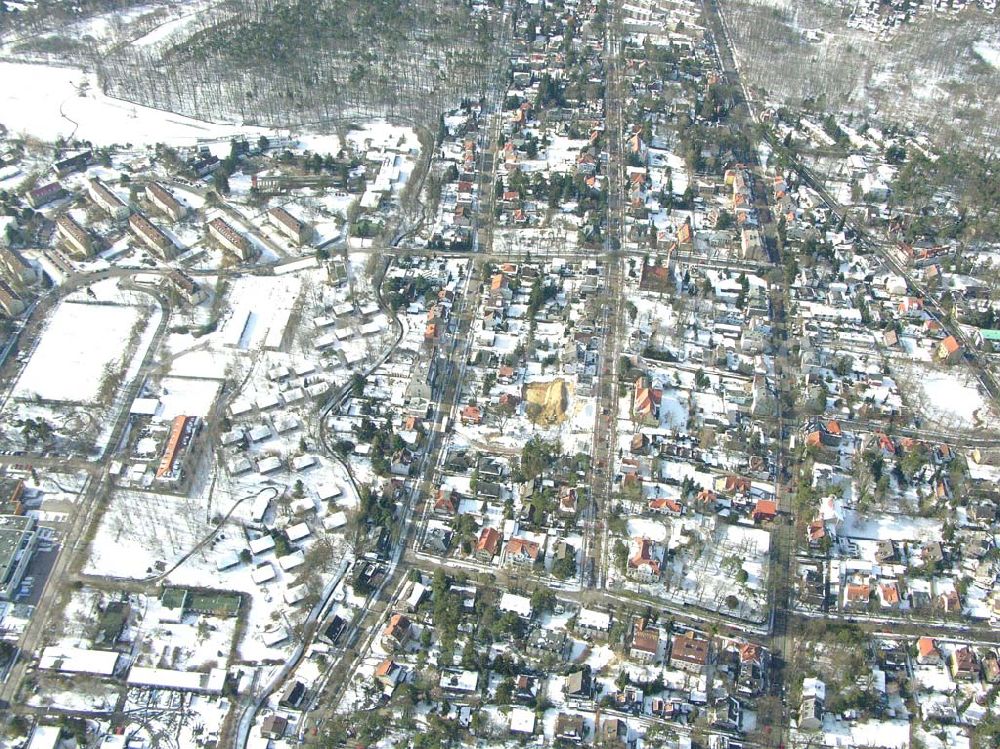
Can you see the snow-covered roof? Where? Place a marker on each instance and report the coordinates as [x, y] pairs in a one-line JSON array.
[[227, 560], [522, 720], [291, 561], [520, 605], [144, 407], [303, 461], [294, 594], [262, 544], [263, 573], [591, 619], [260, 432], [334, 521], [268, 464], [274, 637], [813, 688], [303, 505], [168, 678], [45, 737], [327, 490], [79, 660]]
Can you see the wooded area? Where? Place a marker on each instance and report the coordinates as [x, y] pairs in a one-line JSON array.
[[280, 63], [927, 73]]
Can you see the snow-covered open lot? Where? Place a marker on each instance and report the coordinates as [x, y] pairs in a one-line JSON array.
[[141, 529]]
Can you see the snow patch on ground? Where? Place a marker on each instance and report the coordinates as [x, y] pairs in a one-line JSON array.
[[988, 52]]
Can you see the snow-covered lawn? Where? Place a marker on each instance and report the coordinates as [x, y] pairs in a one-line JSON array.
[[654, 530], [890, 527], [953, 396], [186, 397]]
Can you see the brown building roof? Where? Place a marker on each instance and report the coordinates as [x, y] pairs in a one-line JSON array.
[[689, 649]]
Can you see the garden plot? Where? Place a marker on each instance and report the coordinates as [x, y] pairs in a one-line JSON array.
[[196, 643], [717, 567], [261, 307], [80, 352], [73, 693], [188, 719]]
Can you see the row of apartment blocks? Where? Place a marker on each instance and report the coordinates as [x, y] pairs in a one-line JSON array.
[[106, 200], [160, 197], [152, 237], [10, 301], [156, 193], [229, 238], [290, 226], [77, 239], [15, 274]]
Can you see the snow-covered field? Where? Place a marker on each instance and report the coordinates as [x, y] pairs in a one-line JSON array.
[[62, 102], [890, 527], [80, 347], [166, 31]]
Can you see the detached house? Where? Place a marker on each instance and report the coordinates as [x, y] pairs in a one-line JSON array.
[[643, 563], [666, 507], [488, 544], [444, 502], [570, 728], [753, 666], [567, 500], [522, 552], [500, 287], [963, 664], [689, 653], [927, 652], [888, 594], [389, 674], [948, 350], [645, 642], [577, 685], [397, 633], [646, 404], [856, 595], [732, 485], [471, 415], [765, 510]]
